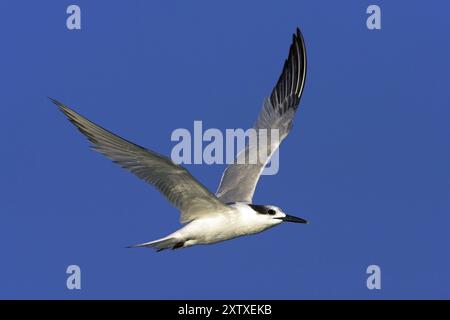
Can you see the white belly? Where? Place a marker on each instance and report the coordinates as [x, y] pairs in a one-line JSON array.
[[220, 227]]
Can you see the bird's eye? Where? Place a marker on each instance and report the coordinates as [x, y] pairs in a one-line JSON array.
[[271, 212]]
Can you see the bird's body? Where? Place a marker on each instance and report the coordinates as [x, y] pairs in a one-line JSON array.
[[208, 217], [238, 221]]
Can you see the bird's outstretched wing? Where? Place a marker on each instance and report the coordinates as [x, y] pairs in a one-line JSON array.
[[239, 179], [172, 180]]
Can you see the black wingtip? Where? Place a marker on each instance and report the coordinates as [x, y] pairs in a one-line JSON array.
[[299, 34], [57, 103], [298, 37], [289, 87], [53, 100]]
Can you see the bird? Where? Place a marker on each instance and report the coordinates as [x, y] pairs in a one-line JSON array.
[[208, 217]]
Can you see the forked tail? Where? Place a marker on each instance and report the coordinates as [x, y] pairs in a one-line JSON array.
[[161, 244]]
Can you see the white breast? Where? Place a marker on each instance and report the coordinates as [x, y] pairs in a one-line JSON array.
[[219, 227]]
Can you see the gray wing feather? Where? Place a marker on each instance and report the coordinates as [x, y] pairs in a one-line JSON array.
[[172, 180], [239, 181]]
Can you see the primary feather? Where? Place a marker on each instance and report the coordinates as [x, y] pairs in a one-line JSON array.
[[239, 179], [172, 180]]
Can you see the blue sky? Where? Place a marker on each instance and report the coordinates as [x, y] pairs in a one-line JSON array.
[[367, 162]]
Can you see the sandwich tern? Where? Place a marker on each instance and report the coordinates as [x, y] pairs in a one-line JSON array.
[[210, 218]]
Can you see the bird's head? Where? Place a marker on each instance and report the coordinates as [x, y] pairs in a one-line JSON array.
[[274, 215]]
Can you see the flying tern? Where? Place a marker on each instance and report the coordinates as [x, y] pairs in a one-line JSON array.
[[207, 217]]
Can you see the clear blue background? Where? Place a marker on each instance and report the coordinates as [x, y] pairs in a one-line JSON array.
[[367, 162]]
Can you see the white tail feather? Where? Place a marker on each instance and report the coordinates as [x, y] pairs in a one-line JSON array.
[[160, 244]]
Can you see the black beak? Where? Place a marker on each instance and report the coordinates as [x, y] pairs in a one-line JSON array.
[[293, 219]]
